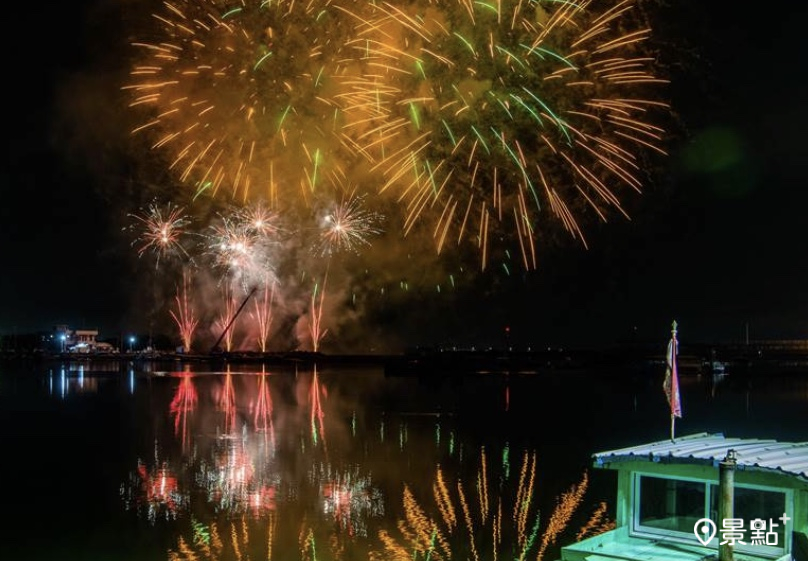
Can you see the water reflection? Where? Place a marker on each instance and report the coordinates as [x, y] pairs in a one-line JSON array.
[[182, 406], [340, 463], [158, 494], [263, 462]]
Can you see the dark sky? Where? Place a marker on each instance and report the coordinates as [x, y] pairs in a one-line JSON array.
[[715, 242]]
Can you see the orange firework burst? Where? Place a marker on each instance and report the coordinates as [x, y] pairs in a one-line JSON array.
[[513, 112], [252, 98]]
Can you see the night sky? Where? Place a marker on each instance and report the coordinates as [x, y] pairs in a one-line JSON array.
[[716, 241]]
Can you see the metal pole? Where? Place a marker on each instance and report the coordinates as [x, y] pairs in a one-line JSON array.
[[726, 497], [230, 323]]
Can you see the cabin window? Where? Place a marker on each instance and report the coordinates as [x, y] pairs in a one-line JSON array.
[[669, 508], [755, 504], [670, 504]]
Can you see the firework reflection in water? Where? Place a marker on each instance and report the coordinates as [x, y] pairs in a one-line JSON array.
[[182, 406], [155, 491], [483, 520]]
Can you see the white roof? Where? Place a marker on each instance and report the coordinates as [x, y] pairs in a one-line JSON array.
[[703, 448]]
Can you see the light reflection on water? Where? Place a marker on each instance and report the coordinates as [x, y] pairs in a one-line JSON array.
[[337, 463]]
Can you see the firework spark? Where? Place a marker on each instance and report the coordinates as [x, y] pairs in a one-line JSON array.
[[349, 227], [257, 218], [160, 231]]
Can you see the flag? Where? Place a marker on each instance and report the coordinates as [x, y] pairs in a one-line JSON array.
[[671, 384]]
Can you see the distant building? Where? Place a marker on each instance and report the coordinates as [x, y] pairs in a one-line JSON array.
[[78, 340]]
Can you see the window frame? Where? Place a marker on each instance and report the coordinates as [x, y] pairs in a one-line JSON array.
[[649, 532]]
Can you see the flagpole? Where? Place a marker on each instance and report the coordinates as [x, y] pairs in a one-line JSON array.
[[673, 370], [671, 383], [673, 425]]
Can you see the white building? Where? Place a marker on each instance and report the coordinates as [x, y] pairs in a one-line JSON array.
[[79, 340]]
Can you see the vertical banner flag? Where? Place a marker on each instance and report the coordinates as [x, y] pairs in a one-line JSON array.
[[671, 384]]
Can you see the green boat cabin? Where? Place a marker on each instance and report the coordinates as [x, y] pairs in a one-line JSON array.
[[665, 488]]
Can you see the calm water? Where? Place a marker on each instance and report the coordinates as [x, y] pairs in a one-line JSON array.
[[175, 462]]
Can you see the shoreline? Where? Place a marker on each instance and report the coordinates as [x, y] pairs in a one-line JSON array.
[[621, 362]]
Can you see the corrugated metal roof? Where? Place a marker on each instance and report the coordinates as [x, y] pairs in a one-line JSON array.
[[768, 455]]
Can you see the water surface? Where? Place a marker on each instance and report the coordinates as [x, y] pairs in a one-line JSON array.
[[152, 462]]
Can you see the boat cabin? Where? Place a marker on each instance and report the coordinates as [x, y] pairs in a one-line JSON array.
[[666, 490]]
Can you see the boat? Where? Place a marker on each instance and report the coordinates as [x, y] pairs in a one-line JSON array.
[[678, 500]]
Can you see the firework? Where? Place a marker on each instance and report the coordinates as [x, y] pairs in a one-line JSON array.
[[251, 99], [258, 219], [348, 227], [241, 250], [316, 331], [227, 316], [184, 316], [511, 112], [160, 231], [263, 314], [490, 122]]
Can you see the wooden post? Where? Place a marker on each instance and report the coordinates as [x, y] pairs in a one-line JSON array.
[[726, 497]]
